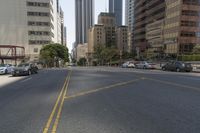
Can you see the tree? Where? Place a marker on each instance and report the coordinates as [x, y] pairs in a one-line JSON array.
[[82, 62], [53, 53], [196, 49], [99, 54], [105, 54]]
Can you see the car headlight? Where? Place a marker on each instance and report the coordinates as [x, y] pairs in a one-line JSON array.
[[183, 65]]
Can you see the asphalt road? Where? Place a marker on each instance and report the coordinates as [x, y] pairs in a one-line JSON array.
[[102, 100]]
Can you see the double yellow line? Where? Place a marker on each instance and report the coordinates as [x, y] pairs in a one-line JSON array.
[[57, 108]]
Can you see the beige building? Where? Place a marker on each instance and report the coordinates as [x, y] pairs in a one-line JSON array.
[[122, 38], [154, 37], [109, 22], [96, 36], [29, 23], [81, 51], [181, 31]]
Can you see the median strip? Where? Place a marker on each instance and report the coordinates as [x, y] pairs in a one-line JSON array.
[[55, 125], [47, 126]]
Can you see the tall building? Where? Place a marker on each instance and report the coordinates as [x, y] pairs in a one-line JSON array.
[[182, 26], [115, 6], [129, 21], [29, 23], [122, 38], [84, 17], [146, 12], [108, 20], [108, 34]]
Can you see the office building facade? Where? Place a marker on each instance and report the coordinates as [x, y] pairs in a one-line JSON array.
[[29, 23], [129, 21], [182, 26], [84, 19], [108, 20], [145, 12]]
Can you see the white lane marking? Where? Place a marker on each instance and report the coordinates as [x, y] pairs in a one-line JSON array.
[[26, 80]]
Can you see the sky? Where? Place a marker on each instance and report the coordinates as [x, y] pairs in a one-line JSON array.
[[68, 7]]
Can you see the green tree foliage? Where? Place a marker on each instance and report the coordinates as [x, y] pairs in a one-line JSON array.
[[82, 62], [53, 53], [196, 49], [105, 54]]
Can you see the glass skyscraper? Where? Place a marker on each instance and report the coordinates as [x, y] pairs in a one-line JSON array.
[[115, 6], [84, 11]]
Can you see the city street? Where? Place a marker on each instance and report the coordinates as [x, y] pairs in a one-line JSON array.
[[101, 100]]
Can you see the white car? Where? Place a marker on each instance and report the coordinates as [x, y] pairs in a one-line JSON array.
[[145, 65], [5, 68], [128, 65]]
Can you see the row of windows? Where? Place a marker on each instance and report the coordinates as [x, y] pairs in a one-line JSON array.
[[190, 13], [174, 14], [32, 23], [45, 14], [191, 2], [39, 42], [187, 47], [38, 33], [190, 23], [38, 4], [172, 25], [171, 35], [174, 4], [190, 34]]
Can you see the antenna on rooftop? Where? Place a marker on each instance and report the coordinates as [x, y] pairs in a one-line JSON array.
[[106, 6]]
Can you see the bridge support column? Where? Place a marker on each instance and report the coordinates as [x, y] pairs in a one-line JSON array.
[[2, 61]]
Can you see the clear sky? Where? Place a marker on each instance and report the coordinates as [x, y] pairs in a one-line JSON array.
[[68, 7]]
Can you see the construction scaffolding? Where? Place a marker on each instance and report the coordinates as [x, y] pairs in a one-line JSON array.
[[10, 52]]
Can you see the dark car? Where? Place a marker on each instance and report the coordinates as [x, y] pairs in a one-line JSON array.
[[25, 69], [177, 66]]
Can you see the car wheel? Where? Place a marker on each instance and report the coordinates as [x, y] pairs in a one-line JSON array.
[[29, 72], [163, 68], [6, 71], [178, 70]]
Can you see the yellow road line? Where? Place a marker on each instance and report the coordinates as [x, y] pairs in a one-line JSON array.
[[46, 129], [55, 125], [174, 84], [103, 88]]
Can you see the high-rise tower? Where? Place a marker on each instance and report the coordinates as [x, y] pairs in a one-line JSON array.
[[84, 11], [115, 6]]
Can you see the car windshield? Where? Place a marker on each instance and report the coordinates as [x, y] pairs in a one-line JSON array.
[[23, 65], [2, 65]]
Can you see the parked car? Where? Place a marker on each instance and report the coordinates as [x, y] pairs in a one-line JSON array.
[[145, 65], [177, 66], [25, 69], [128, 65], [5, 68]]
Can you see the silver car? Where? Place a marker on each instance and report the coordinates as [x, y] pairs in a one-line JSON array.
[[5, 68], [145, 65]]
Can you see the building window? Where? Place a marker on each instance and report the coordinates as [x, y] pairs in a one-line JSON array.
[[35, 50], [191, 2], [38, 42], [38, 4], [41, 14], [39, 33], [190, 13], [32, 23]]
